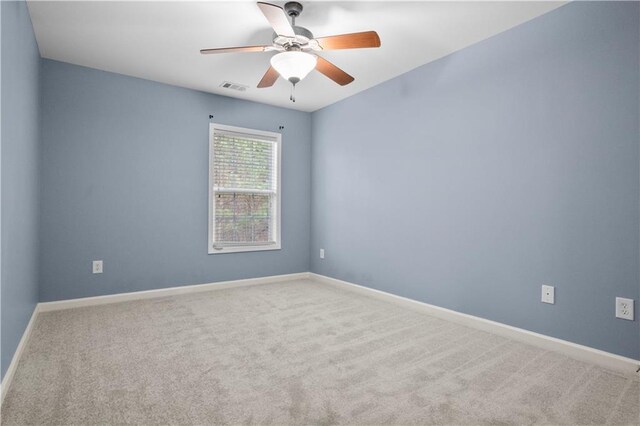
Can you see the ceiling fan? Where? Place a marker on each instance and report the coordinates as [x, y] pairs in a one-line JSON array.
[[295, 44]]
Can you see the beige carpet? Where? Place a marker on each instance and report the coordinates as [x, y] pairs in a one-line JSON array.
[[296, 353]]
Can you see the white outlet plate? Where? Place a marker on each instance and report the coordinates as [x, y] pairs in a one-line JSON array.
[[321, 253], [624, 308], [97, 266], [548, 294]]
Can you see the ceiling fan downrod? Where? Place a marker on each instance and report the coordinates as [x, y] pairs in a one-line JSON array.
[[293, 9]]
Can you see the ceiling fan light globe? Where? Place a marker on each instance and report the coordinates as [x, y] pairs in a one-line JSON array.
[[295, 65]]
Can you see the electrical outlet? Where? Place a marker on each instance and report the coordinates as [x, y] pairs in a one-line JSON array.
[[624, 308], [97, 266], [321, 253], [548, 294]]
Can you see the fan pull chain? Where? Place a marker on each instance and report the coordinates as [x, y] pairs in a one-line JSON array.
[[292, 98]]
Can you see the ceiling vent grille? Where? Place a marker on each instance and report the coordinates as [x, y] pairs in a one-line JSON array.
[[234, 86]]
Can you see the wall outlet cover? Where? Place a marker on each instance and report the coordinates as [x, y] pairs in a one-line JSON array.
[[624, 308], [548, 294], [97, 266], [321, 253]]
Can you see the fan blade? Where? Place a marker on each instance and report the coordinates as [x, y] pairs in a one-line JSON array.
[[235, 49], [350, 41], [278, 19], [269, 78], [333, 72]]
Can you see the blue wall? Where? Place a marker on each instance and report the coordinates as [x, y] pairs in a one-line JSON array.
[[125, 172], [20, 147], [471, 181]]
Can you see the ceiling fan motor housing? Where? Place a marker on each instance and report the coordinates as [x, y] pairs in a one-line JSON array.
[[303, 36]]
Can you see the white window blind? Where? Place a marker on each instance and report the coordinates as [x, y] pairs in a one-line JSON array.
[[245, 190]]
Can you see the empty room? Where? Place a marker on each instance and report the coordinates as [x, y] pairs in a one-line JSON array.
[[320, 212]]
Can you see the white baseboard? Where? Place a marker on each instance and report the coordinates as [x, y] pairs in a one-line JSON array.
[[8, 376], [163, 292], [573, 350]]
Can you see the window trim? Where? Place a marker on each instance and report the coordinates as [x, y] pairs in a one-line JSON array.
[[277, 139]]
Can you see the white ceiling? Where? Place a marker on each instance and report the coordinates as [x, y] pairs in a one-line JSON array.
[[160, 41]]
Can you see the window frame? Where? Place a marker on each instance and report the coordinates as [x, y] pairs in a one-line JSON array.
[[277, 140]]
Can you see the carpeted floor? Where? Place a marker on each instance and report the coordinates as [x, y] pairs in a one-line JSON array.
[[296, 353]]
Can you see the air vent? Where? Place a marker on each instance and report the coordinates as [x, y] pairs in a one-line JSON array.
[[234, 86]]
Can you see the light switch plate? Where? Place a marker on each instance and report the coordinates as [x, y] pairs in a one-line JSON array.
[[548, 294], [321, 253]]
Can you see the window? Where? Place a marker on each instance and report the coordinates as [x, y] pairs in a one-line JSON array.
[[244, 189]]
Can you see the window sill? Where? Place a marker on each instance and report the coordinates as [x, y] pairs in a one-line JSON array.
[[224, 250]]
